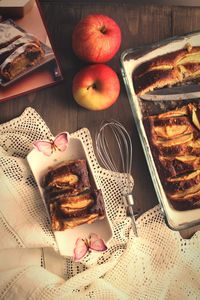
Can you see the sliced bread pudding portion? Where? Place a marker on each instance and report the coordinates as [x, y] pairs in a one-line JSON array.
[[167, 70], [70, 199]]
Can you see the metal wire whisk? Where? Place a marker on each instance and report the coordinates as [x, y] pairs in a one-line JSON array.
[[115, 133]]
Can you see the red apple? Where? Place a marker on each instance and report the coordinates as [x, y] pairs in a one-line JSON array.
[[96, 87], [96, 38]]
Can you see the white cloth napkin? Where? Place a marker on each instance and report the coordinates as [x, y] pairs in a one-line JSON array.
[[158, 264]]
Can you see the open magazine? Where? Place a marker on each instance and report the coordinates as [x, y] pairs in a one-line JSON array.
[[27, 60]]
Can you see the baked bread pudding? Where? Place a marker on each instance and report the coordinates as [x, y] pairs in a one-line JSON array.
[[18, 51], [175, 142], [69, 197], [167, 70]]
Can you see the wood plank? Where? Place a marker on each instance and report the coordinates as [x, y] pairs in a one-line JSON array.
[[185, 20], [189, 3]]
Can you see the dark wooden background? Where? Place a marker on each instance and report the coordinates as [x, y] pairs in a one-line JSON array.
[[141, 25]]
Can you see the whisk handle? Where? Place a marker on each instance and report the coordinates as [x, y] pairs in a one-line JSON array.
[[128, 199], [129, 202]]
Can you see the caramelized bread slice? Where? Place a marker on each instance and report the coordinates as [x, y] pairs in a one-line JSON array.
[[178, 140], [190, 71], [175, 143], [60, 224], [61, 219], [172, 131], [175, 133], [196, 118], [186, 199], [187, 148], [69, 205], [189, 55], [179, 116], [185, 193], [177, 147], [191, 202], [192, 56], [171, 128], [179, 112], [193, 147], [156, 79], [175, 165], [70, 177], [166, 61], [174, 120], [167, 70], [183, 182], [172, 125]]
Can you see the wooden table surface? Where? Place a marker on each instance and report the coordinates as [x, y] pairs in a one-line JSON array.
[[140, 25]]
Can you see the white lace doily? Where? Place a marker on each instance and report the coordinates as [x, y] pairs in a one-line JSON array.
[[158, 264]]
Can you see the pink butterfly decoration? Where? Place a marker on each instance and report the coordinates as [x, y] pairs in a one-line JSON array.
[[82, 246], [48, 147]]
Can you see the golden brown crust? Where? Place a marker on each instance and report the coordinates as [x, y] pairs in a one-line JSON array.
[[64, 216], [70, 177], [168, 69], [185, 204], [166, 61], [182, 182], [59, 224], [176, 165], [156, 79]]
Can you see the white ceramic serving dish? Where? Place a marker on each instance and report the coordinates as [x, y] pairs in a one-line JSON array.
[[39, 164], [130, 59]]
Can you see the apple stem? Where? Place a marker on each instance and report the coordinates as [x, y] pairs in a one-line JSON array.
[[93, 86], [103, 29]]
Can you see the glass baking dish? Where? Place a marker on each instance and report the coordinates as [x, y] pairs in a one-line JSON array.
[[130, 59]]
